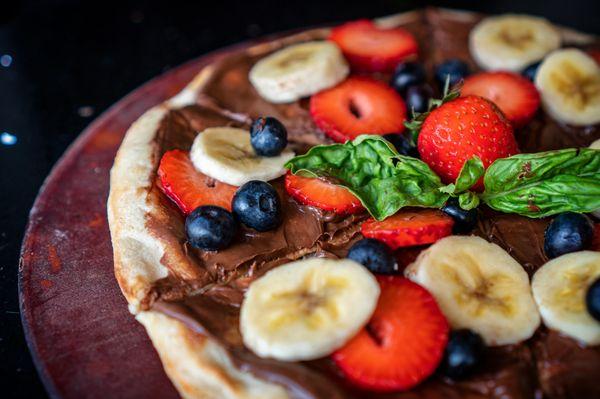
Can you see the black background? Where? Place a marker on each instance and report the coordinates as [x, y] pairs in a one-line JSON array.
[[73, 59]]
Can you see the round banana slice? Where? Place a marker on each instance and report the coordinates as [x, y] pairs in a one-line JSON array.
[[569, 83], [559, 288], [307, 309], [479, 286], [512, 42], [225, 154], [595, 145], [298, 71]]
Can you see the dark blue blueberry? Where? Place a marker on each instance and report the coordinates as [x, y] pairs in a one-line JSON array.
[[374, 255], [257, 205], [407, 74], [268, 136], [463, 354], [210, 227], [402, 144], [592, 299], [568, 232], [417, 98], [464, 221], [530, 71], [456, 69]]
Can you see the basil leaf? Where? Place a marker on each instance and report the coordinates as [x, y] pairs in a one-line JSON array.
[[470, 173], [468, 200], [544, 184], [372, 169]]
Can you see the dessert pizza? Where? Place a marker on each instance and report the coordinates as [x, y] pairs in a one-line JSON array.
[[397, 208]]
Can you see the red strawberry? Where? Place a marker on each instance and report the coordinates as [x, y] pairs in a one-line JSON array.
[[402, 344], [514, 94], [370, 48], [322, 194], [409, 227], [461, 129], [359, 105], [188, 187]]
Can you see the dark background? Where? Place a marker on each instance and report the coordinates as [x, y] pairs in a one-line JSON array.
[[62, 63]]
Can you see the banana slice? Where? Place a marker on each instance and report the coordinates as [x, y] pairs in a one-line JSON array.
[[595, 145], [569, 83], [225, 154], [307, 309], [559, 288], [479, 286], [512, 42], [298, 71]]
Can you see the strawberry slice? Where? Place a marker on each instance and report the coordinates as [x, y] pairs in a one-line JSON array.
[[514, 94], [359, 105], [402, 344], [188, 187], [409, 227], [370, 48], [322, 194]]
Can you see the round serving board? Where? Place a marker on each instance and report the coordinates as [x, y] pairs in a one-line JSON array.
[[83, 340]]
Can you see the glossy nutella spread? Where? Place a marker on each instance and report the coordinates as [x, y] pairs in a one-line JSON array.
[[205, 289]]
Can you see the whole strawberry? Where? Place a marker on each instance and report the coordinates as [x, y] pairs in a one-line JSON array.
[[461, 129]]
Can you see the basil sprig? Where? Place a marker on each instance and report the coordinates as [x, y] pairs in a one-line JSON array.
[[371, 168], [533, 185], [545, 183]]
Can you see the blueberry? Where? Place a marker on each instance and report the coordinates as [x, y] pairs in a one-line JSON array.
[[463, 353], [407, 74], [210, 227], [257, 205], [402, 144], [530, 71], [374, 255], [568, 232], [456, 69], [268, 136], [592, 299], [464, 221], [417, 98]]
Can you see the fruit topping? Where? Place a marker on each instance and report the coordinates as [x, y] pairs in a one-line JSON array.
[[322, 194], [370, 48], [463, 354], [226, 154], [568, 232], [210, 228], [464, 220], [531, 71], [402, 144], [478, 286], [257, 205], [299, 71], [569, 82], [511, 42], [560, 288], [516, 96], [592, 299], [407, 74], [409, 227], [189, 188], [307, 309], [417, 98], [374, 255], [359, 105], [461, 129], [453, 70], [268, 136], [402, 344]]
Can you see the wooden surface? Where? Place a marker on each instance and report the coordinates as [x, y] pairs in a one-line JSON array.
[[84, 342]]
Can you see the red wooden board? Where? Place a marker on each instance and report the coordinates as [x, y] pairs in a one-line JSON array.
[[84, 342]]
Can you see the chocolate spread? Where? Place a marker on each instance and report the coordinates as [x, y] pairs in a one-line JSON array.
[[205, 289]]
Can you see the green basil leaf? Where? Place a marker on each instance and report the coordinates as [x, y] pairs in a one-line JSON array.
[[372, 169], [468, 200], [544, 184], [470, 173]]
